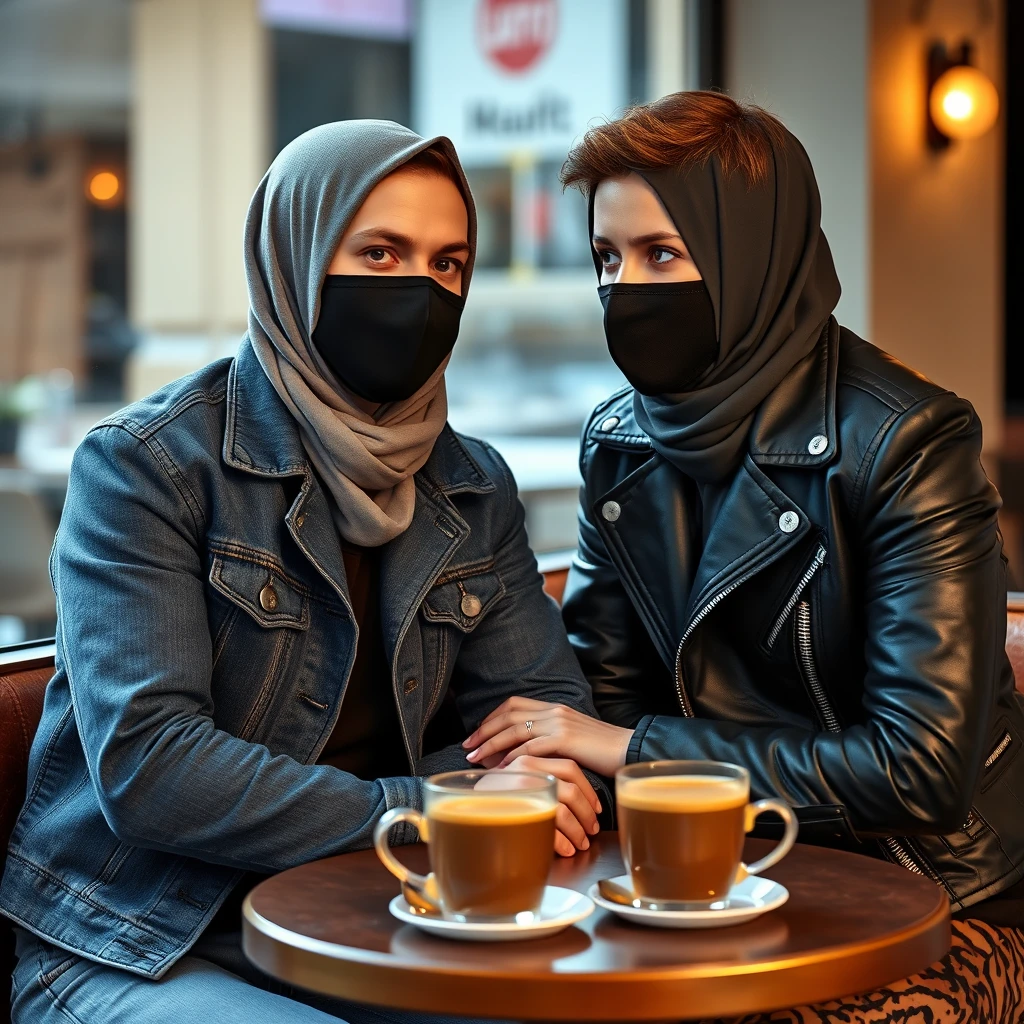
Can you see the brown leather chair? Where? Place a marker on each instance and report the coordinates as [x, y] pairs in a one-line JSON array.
[[1015, 636], [24, 672], [555, 569], [26, 669]]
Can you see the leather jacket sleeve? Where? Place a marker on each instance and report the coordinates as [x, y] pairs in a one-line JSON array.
[[934, 590]]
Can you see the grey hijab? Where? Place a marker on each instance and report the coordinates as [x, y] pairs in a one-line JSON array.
[[296, 218], [769, 271]]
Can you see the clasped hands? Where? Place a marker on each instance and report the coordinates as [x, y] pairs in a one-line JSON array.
[[559, 741]]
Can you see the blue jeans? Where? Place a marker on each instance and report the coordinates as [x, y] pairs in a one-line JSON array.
[[213, 984]]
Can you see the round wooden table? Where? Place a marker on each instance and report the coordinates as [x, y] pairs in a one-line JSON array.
[[851, 924]]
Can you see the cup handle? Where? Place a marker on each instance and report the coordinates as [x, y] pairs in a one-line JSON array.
[[754, 811], [423, 886]]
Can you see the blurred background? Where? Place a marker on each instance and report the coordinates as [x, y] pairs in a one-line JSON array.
[[133, 132]]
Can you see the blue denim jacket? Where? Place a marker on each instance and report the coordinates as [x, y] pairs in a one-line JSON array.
[[180, 733]]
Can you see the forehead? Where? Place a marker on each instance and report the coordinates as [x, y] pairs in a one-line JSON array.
[[629, 203], [413, 198]]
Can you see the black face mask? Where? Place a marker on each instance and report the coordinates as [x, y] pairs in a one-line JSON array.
[[383, 337], [661, 336]]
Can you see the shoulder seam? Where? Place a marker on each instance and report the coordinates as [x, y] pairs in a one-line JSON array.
[[878, 386], [145, 430]]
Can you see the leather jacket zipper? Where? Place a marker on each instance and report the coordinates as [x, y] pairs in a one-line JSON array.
[[805, 658], [898, 851], [684, 697], [780, 622]]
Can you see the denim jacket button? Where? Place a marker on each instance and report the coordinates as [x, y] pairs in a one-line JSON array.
[[268, 598], [410, 685], [300, 519], [470, 605]]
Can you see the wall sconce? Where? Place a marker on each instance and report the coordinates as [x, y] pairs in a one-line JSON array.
[[962, 101], [104, 187]]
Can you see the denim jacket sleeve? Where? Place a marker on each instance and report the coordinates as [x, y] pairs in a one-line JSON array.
[[134, 638], [520, 649]]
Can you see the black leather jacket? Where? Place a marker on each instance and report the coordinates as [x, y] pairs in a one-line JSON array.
[[842, 633]]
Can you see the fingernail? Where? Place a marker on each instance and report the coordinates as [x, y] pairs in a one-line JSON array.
[[600, 809], [594, 829], [586, 844], [473, 755]]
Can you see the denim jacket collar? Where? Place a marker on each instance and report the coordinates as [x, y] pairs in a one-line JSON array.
[[262, 438]]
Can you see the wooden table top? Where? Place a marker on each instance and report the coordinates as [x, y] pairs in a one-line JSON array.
[[852, 924]]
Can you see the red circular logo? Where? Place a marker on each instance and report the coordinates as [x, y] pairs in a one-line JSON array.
[[515, 34]]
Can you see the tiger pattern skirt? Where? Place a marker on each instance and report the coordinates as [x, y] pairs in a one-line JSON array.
[[980, 981]]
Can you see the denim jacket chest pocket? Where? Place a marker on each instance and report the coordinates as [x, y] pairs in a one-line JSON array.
[[256, 632], [463, 596], [455, 606]]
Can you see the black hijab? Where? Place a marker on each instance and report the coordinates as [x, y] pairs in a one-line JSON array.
[[769, 271]]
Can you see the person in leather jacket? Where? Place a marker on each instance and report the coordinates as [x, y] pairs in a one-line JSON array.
[[789, 556]]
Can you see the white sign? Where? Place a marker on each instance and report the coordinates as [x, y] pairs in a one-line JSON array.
[[376, 19], [501, 77]]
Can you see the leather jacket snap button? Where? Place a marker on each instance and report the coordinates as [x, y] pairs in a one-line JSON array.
[[470, 605], [611, 423], [788, 522], [611, 510], [268, 598], [300, 519], [817, 444]]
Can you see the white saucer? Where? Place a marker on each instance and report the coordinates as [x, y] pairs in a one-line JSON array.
[[558, 909], [748, 899]]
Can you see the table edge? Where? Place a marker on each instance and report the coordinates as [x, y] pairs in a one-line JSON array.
[[354, 954]]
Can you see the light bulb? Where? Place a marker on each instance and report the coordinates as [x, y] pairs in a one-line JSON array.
[[963, 103], [103, 187]]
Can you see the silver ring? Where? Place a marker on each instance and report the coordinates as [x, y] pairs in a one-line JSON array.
[[529, 728]]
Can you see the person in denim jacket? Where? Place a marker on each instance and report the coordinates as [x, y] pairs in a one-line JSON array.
[[284, 583]]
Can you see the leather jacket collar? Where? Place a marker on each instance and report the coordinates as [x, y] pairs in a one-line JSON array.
[[790, 424], [758, 522]]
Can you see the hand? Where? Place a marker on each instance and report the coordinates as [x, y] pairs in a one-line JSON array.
[[557, 731], [578, 804]]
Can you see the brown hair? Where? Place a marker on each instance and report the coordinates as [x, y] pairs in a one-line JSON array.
[[434, 161], [680, 129]]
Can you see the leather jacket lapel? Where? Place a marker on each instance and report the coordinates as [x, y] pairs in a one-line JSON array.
[[755, 525], [656, 515], [653, 517]]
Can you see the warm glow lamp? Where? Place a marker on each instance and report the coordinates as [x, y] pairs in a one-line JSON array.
[[103, 188], [962, 101]]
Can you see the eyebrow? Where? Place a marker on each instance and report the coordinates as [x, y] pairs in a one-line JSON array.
[[654, 236], [398, 239]]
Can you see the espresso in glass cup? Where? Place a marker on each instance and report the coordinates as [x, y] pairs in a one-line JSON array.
[[491, 837], [682, 825]]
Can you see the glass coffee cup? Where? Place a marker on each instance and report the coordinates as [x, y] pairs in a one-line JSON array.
[[682, 825], [491, 838]]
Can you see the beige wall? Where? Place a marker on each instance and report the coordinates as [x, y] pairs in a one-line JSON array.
[[806, 61], [936, 219], [198, 150]]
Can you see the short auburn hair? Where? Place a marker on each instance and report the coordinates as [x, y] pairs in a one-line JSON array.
[[680, 129]]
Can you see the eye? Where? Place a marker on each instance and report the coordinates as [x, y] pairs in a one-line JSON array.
[[377, 255], [659, 255], [608, 257], [447, 265]]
